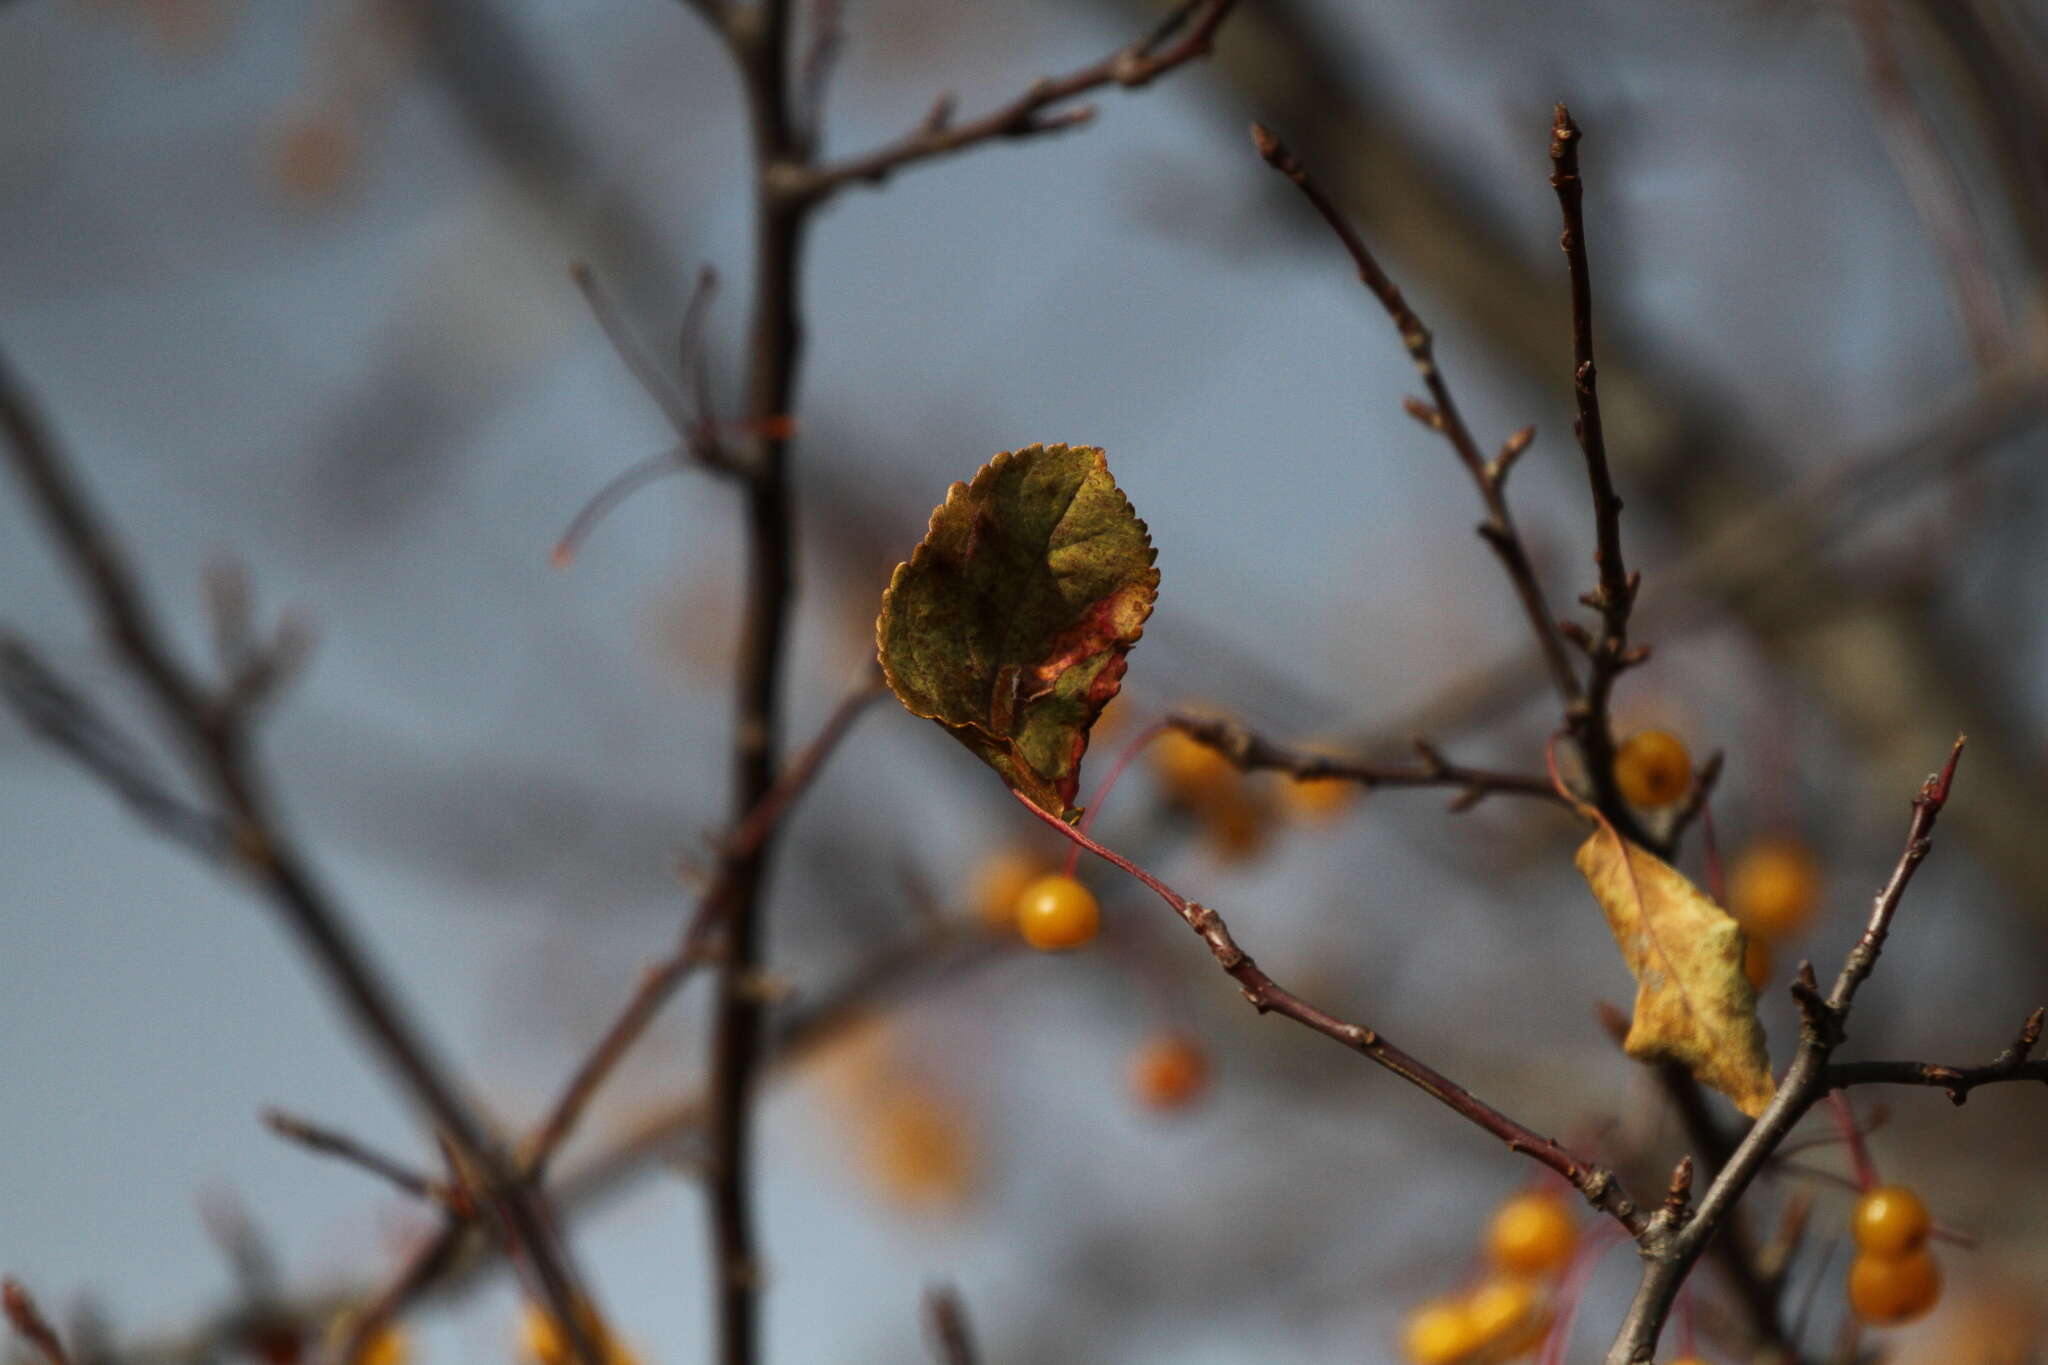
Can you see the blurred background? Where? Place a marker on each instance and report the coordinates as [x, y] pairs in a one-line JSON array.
[[291, 280]]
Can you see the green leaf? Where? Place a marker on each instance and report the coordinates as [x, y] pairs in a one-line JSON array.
[[1009, 623]]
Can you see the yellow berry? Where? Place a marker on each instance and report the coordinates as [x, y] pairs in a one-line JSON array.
[[1169, 1072], [1192, 773], [999, 884], [1439, 1333], [1653, 769], [1774, 888], [1887, 1290], [1890, 1221], [1532, 1234], [1507, 1316], [1057, 912]]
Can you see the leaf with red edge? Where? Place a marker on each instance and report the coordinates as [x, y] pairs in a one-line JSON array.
[[1009, 623]]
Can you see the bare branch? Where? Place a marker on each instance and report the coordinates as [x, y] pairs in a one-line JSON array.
[[1184, 36], [1598, 1184], [1441, 415], [2013, 1064], [1253, 752]]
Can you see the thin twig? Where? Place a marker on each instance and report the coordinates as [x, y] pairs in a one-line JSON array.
[[1250, 751], [1598, 1184], [2010, 1065], [1614, 596], [331, 1142], [1185, 36], [1441, 415]]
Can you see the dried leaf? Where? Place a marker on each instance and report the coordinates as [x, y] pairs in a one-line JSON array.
[[1010, 623], [1694, 1005]]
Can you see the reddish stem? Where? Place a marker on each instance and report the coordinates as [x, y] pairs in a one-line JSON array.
[[1116, 770]]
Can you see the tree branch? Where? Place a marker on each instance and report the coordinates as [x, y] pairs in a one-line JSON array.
[[1253, 752], [1598, 1184], [1441, 415], [1670, 1248], [214, 738], [1186, 35], [2009, 1065]]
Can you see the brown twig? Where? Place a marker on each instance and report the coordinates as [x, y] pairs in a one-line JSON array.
[[1614, 597], [2013, 1064], [1669, 1252], [331, 1142], [211, 729], [1252, 752], [1440, 414], [1185, 35], [29, 1321], [945, 1316], [1598, 1184]]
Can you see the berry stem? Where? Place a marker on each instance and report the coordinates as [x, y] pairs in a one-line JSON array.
[[1116, 770], [1859, 1150]]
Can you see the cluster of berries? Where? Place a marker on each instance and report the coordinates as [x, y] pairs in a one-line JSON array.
[[1893, 1278], [1506, 1314]]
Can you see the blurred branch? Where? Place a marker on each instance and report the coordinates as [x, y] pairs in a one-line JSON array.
[[1185, 35], [1932, 184], [329, 1142], [458, 1257], [1598, 1184], [211, 727], [946, 1322], [30, 1323]]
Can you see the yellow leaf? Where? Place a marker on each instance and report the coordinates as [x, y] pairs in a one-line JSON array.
[[1694, 1005]]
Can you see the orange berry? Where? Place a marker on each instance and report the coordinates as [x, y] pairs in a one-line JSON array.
[[1057, 912], [1169, 1072], [999, 884], [1192, 773], [1652, 769], [1890, 1221], [1532, 1234], [919, 1151], [1774, 888], [1887, 1290], [1439, 1333], [1756, 962], [1318, 799], [1507, 1316]]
